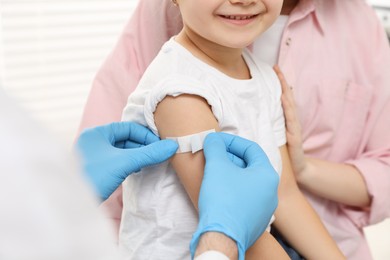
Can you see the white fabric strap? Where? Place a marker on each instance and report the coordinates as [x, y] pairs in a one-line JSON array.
[[211, 255], [191, 143]]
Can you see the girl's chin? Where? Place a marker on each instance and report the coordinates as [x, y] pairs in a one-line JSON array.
[[241, 45]]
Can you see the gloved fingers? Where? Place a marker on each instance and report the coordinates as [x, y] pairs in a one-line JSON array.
[[152, 154], [129, 131], [127, 145], [255, 156], [237, 160], [248, 151], [236, 145], [214, 148]]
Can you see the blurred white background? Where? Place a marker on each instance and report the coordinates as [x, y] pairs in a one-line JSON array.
[[50, 51]]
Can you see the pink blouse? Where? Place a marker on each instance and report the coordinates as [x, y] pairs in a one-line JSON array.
[[335, 54]]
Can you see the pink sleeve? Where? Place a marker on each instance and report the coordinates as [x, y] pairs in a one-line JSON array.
[[153, 23], [374, 160]]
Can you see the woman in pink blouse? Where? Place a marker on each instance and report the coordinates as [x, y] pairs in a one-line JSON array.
[[336, 58]]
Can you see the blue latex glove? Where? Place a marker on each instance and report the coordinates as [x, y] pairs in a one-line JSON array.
[[236, 201], [114, 151]]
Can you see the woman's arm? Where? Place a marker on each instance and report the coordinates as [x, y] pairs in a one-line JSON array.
[[342, 183], [348, 185], [298, 222]]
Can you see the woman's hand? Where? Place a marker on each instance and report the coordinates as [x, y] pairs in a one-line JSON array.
[[339, 182], [293, 128]]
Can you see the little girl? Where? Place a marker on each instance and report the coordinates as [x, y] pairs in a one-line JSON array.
[[202, 80]]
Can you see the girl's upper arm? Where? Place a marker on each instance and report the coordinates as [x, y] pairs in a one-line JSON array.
[[180, 116]]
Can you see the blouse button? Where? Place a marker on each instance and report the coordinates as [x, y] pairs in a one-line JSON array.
[[288, 41]]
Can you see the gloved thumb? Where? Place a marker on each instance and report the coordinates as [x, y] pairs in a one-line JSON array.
[[219, 150], [214, 148], [244, 149], [151, 154]]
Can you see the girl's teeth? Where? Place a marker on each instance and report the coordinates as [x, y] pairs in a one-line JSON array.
[[232, 17]]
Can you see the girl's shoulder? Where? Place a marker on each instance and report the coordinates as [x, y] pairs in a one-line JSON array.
[[174, 59]]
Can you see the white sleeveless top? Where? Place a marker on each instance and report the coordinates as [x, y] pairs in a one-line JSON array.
[[158, 218]]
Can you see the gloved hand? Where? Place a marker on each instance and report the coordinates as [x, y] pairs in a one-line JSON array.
[[238, 202], [114, 151]]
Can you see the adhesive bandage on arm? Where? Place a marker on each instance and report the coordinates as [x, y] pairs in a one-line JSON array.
[[191, 143]]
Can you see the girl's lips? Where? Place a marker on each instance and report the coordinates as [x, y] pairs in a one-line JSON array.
[[239, 19]]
